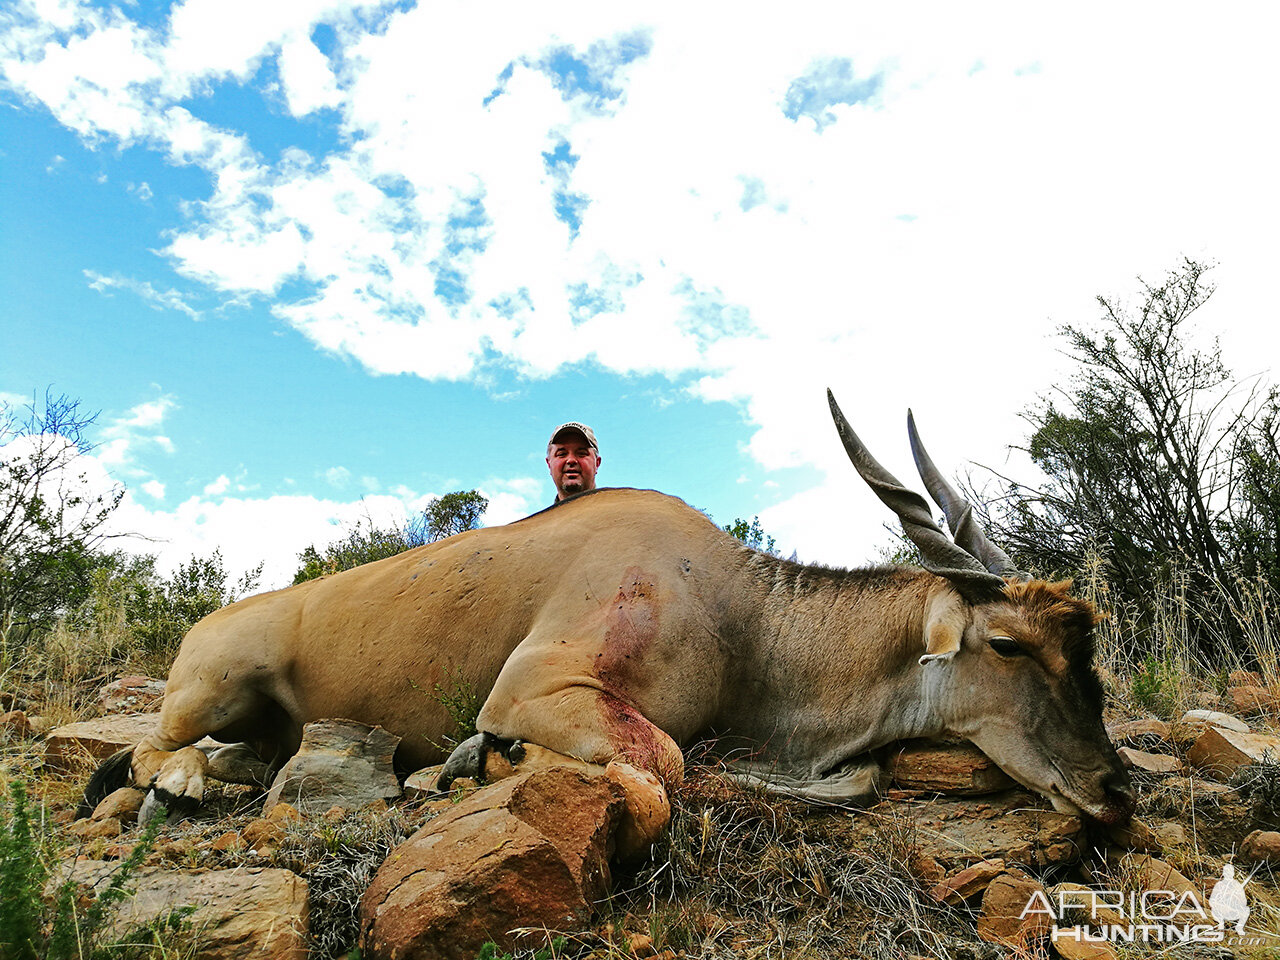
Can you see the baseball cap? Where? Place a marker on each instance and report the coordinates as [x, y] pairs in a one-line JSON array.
[[581, 428]]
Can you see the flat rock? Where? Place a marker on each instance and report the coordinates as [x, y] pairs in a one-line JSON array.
[[1139, 731], [530, 851], [421, 784], [1215, 718], [75, 745], [253, 912], [1220, 752], [131, 694], [340, 762], [958, 887], [1158, 763], [960, 770], [1013, 826]]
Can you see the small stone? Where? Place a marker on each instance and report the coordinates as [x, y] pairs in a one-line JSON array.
[[264, 836], [95, 829], [1171, 834], [421, 784], [334, 814], [1131, 731], [1080, 950], [122, 804], [1002, 918], [283, 813], [40, 725], [1261, 845], [640, 945], [174, 850], [969, 882], [1134, 835], [339, 761], [1158, 763], [228, 841], [15, 725]]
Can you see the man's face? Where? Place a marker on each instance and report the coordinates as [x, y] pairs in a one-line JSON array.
[[573, 464]]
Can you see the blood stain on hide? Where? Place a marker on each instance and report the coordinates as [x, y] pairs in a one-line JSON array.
[[631, 627]]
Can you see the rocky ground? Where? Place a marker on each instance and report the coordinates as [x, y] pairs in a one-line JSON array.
[[944, 866]]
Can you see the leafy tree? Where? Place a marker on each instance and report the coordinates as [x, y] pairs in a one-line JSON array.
[[443, 517], [51, 519], [752, 535], [1154, 456]]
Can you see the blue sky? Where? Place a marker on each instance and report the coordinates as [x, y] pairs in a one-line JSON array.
[[327, 258]]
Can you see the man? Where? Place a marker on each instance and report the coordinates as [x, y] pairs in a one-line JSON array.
[[573, 457]]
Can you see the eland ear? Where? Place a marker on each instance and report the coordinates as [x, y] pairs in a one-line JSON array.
[[945, 620]]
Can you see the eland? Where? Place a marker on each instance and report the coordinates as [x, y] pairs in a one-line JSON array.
[[622, 625]]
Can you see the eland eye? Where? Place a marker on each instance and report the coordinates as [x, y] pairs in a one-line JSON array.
[[1006, 647]]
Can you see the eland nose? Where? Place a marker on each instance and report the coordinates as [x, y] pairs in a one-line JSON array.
[[1119, 790]]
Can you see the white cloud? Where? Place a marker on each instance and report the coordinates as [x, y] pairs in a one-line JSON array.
[[154, 489], [338, 476], [218, 487], [124, 436], [158, 299]]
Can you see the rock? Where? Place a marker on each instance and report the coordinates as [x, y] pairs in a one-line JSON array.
[[1003, 905], [228, 841], [1220, 752], [1080, 906], [70, 747], [260, 913], [1134, 835], [421, 785], [39, 725], [1251, 700], [1171, 834], [530, 851], [1214, 718], [1206, 700], [340, 761], [1139, 731], [132, 694], [263, 836], [1013, 826], [1151, 874], [1158, 763], [1261, 845], [1070, 949], [640, 945], [14, 725], [960, 770], [969, 882], [94, 829], [123, 804]]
